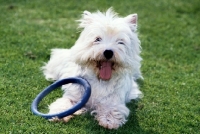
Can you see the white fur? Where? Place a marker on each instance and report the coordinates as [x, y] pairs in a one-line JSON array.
[[109, 97]]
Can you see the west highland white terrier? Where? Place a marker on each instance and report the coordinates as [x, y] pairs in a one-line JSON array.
[[107, 55]]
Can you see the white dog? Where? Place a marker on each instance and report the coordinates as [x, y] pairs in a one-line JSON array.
[[107, 55]]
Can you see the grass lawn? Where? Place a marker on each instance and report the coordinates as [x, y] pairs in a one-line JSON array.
[[170, 34]]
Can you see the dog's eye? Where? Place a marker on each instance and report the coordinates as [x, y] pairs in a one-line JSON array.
[[121, 42], [98, 39]]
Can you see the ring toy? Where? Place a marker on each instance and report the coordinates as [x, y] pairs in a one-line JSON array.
[[79, 105]]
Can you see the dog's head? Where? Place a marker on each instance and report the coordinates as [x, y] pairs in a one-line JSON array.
[[108, 44]]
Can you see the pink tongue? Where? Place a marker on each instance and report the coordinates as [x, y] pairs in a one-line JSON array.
[[105, 70]]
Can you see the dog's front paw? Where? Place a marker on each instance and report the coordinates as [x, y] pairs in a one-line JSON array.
[[111, 120], [60, 105], [111, 117], [81, 111], [64, 119]]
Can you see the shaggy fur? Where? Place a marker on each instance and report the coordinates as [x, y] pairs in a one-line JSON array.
[[107, 55]]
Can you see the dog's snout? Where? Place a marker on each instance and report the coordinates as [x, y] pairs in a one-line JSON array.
[[108, 54]]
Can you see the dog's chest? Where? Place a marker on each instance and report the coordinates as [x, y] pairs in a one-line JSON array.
[[102, 92]]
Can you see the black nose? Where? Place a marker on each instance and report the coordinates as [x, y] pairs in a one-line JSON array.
[[108, 54]]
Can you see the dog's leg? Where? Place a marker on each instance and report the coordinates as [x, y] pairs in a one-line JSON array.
[[62, 104], [111, 116], [72, 95], [135, 93], [58, 106]]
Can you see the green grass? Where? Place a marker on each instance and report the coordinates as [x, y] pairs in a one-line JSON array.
[[170, 36]]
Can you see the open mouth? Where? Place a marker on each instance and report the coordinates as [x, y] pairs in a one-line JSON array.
[[105, 69]]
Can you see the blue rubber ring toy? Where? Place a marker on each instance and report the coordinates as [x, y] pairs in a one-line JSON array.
[[79, 105]]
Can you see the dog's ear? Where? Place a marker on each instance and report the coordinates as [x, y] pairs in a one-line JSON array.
[[132, 21], [86, 19]]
